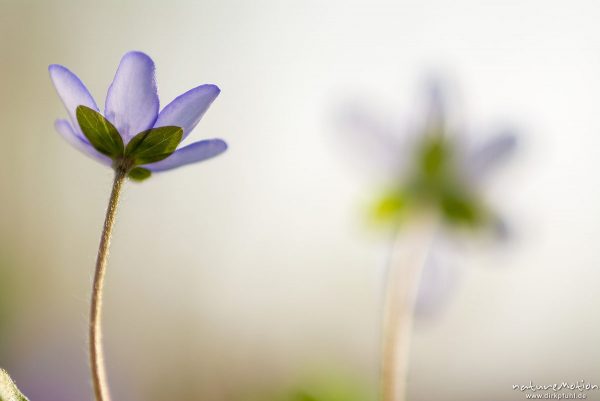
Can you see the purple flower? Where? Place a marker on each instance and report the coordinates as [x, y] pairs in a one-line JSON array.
[[132, 106], [432, 166]]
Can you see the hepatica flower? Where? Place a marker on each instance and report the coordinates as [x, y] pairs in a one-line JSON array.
[[433, 167], [135, 139], [434, 177], [133, 135]]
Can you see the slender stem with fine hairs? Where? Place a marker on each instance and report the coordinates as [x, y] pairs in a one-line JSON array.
[[96, 351], [404, 269]]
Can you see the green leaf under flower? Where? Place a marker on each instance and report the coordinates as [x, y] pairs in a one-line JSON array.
[[434, 157], [391, 206], [434, 183], [460, 209], [103, 136], [139, 174], [153, 145], [8, 389]]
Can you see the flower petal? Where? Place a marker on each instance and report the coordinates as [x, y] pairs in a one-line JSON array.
[[187, 110], [72, 91], [196, 152], [435, 104], [132, 99], [438, 281], [380, 145], [79, 142], [481, 159]]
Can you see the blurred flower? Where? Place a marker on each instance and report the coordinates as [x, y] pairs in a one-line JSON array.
[[434, 178], [434, 167], [431, 167], [132, 107]]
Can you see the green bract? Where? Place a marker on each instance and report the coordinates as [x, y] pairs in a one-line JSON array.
[[139, 174], [103, 136], [434, 182], [8, 389], [147, 147], [153, 145]]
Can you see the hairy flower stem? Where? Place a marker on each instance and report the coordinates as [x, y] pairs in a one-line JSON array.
[[101, 390], [403, 276]]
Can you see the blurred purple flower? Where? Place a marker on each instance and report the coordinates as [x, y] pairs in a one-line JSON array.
[[132, 106], [431, 166]]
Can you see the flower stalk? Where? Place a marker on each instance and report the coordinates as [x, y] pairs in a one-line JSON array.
[[101, 389], [136, 140], [403, 276]]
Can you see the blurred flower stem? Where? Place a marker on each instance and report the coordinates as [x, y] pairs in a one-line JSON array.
[[101, 390], [434, 181], [406, 261]]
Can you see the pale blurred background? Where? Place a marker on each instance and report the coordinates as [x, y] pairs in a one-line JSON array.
[[256, 273]]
